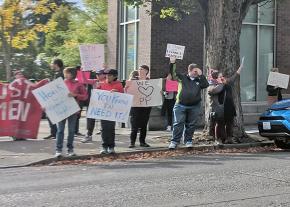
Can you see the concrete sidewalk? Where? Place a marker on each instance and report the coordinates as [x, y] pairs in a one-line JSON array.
[[20, 153]]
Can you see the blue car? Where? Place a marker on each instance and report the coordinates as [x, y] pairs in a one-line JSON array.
[[275, 124]]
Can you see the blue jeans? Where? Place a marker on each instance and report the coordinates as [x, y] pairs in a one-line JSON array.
[[184, 117], [71, 131]]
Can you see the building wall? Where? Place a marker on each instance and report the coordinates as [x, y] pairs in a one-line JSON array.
[[283, 37], [112, 42], [144, 42], [187, 32]]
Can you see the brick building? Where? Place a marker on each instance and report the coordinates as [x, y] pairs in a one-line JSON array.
[[135, 37]]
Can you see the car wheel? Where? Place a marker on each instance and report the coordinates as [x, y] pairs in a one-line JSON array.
[[282, 144]]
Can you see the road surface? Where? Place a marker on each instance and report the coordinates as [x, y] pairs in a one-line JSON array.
[[204, 180]]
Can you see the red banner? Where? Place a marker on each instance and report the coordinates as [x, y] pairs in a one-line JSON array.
[[20, 113]]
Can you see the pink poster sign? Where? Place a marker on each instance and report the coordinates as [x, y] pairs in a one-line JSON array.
[[171, 86]]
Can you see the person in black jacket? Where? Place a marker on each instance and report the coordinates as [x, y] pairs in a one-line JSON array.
[[57, 67], [188, 103], [224, 126], [274, 92]]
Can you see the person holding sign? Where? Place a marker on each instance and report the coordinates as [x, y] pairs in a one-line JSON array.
[[274, 92], [57, 67], [95, 83], [139, 115], [168, 103], [188, 103], [78, 91], [108, 127]]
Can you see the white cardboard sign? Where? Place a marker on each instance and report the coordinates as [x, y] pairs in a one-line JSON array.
[[278, 79], [175, 51], [54, 98], [146, 93], [92, 56], [110, 106]]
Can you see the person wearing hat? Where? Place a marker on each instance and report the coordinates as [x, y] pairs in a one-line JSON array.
[[108, 127], [94, 83]]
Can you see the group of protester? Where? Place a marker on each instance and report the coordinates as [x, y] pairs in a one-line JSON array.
[[182, 107]]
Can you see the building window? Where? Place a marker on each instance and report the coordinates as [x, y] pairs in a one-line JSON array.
[[128, 39], [258, 47]]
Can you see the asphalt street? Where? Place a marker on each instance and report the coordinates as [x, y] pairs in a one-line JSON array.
[[206, 180]]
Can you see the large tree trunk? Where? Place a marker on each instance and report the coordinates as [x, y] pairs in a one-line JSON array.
[[223, 22], [7, 59]]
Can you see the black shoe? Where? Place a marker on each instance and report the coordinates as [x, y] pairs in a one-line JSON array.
[[132, 146], [144, 145], [79, 134], [49, 137]]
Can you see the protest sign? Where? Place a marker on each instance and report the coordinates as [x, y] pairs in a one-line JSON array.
[[20, 112], [110, 106], [83, 74], [54, 98], [278, 79], [92, 56], [146, 93], [175, 51], [171, 86]]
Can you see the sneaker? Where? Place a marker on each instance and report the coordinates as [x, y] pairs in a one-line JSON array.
[[169, 128], [49, 137], [217, 143], [87, 139], [188, 144], [57, 154], [71, 154], [18, 139], [79, 134], [111, 150], [144, 145], [172, 145], [104, 151], [98, 132], [132, 146]]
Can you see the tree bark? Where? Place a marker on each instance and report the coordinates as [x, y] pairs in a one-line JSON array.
[[223, 23], [6, 59]]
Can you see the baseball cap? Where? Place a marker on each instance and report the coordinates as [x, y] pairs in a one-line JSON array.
[[111, 72], [100, 72]]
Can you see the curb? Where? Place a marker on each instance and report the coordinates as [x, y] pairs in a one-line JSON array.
[[161, 149]]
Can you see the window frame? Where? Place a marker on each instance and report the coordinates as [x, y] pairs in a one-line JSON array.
[[258, 25], [122, 38]]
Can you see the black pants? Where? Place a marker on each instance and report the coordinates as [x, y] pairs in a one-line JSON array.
[[139, 120], [108, 133], [78, 121], [224, 129], [168, 109], [90, 126], [53, 128]]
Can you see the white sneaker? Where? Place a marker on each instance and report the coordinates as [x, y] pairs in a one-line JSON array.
[[188, 144], [217, 143], [111, 150], [87, 139], [104, 151], [169, 128], [172, 145], [57, 154], [71, 154]]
